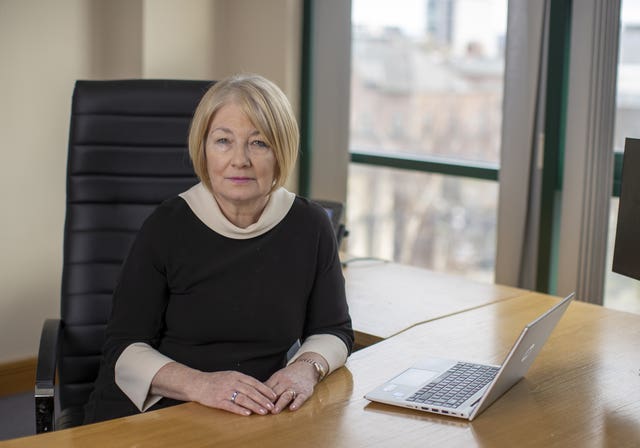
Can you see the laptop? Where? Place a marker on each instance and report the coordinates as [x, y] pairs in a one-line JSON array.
[[464, 389]]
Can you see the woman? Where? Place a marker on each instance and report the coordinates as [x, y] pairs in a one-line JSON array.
[[224, 279]]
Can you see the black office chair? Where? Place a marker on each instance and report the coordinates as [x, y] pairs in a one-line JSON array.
[[335, 211], [127, 153]]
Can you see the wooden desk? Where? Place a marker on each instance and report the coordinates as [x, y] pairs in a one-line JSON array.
[[582, 391], [387, 298]]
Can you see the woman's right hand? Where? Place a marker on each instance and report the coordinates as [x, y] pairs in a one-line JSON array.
[[234, 392], [229, 390]]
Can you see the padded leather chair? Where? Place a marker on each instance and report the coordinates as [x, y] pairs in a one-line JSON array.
[[127, 153]]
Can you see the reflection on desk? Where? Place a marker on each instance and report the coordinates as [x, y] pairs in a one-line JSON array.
[[387, 298]]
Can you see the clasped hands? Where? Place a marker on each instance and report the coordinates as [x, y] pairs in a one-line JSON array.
[[242, 394]]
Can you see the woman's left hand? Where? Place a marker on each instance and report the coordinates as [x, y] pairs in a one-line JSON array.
[[293, 385]]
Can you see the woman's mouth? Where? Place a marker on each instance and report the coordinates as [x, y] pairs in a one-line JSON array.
[[240, 179]]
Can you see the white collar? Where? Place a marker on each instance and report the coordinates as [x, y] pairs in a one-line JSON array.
[[205, 207]]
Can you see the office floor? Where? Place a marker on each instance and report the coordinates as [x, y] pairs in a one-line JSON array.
[[17, 418]]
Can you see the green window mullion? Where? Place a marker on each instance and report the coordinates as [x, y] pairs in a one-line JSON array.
[[306, 100], [554, 128], [617, 174], [476, 170]]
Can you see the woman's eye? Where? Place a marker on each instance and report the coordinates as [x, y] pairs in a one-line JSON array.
[[259, 144], [222, 141]]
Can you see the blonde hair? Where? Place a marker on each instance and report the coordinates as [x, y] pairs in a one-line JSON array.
[[267, 108]]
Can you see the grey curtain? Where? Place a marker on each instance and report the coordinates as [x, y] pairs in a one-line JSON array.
[[588, 172], [522, 143]]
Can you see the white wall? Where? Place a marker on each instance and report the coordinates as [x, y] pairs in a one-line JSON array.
[[178, 39], [44, 47]]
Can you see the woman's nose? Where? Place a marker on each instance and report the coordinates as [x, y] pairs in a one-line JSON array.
[[240, 156]]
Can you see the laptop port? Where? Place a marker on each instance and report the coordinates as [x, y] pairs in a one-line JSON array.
[[445, 412]]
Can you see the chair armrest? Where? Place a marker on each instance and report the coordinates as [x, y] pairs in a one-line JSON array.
[[46, 375], [342, 233]]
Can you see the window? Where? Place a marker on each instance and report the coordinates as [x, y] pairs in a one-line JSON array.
[[622, 292], [445, 223], [426, 88]]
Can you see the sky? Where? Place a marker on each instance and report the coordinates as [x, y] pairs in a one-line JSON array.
[[406, 14], [631, 11], [410, 15]]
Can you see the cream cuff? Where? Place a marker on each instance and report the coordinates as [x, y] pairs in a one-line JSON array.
[[330, 347], [134, 371]]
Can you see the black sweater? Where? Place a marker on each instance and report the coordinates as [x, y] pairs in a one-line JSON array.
[[214, 303]]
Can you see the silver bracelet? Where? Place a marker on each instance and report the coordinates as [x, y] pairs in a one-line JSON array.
[[319, 367]]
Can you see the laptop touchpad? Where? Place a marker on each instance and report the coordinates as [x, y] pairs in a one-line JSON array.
[[414, 377]]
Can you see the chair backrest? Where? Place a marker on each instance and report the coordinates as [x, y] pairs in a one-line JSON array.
[[334, 210], [127, 153]]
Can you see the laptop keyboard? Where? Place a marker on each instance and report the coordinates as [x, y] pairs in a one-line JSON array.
[[456, 385]]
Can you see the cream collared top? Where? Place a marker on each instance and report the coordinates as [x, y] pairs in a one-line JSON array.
[[139, 362]]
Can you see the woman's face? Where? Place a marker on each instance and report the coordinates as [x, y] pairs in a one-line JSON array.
[[240, 164]]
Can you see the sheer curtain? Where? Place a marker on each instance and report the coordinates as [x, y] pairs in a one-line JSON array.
[[588, 171], [522, 143]]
